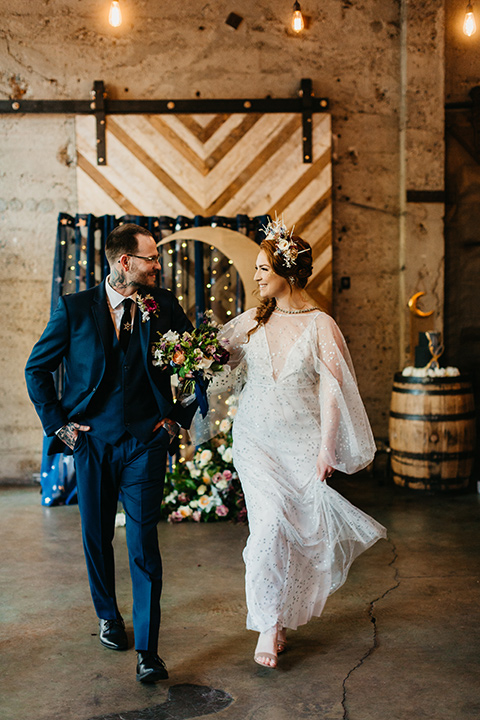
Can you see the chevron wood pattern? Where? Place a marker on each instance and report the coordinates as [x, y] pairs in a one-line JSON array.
[[214, 165]]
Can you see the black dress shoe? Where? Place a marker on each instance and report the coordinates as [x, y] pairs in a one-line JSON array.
[[150, 668], [113, 635]]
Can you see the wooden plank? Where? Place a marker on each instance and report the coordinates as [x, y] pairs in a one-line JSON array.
[[154, 168], [107, 186], [317, 208], [93, 199], [270, 181], [320, 277], [294, 190], [253, 166], [249, 147], [200, 132], [180, 145], [231, 140], [161, 152], [192, 125], [213, 126], [320, 245]]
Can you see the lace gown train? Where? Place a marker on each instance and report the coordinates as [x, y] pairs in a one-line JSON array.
[[299, 397]]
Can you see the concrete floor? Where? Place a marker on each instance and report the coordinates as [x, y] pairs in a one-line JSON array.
[[400, 640]]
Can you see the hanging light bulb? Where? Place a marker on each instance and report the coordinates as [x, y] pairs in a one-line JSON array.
[[115, 14], [297, 18], [469, 24]]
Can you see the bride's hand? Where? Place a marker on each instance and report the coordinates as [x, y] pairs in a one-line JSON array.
[[324, 470]]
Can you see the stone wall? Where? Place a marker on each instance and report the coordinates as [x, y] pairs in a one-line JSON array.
[[360, 55]]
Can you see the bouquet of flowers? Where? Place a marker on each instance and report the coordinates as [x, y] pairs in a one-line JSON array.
[[194, 357], [205, 488]]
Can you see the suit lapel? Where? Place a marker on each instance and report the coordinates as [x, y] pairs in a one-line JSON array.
[[145, 329], [102, 317]]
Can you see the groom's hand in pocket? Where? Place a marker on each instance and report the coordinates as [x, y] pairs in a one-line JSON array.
[[69, 433], [170, 426]]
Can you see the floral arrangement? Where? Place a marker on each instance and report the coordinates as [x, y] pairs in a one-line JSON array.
[[194, 356], [284, 243], [148, 306], [205, 488], [427, 371]]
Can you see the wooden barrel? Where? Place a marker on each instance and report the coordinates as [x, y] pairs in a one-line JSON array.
[[432, 432]]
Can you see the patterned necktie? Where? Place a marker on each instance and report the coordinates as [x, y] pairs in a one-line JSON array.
[[126, 324]]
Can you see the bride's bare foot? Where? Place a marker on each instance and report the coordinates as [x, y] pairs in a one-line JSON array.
[[281, 639], [266, 650]]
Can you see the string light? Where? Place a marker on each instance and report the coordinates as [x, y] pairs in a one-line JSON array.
[[469, 24], [115, 14], [297, 18]]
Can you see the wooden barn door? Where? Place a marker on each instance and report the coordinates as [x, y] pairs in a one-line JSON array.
[[214, 165]]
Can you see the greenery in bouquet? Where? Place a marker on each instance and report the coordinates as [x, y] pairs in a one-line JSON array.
[[193, 355], [205, 488]]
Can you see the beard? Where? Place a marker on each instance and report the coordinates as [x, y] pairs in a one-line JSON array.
[[144, 279]]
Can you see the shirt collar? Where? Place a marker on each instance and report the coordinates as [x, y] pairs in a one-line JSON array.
[[114, 297]]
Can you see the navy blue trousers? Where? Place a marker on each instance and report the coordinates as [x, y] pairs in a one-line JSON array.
[[138, 472]]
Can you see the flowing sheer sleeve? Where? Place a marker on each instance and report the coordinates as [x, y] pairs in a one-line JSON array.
[[347, 440], [227, 383]]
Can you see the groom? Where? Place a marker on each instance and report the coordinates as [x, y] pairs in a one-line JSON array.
[[118, 417]]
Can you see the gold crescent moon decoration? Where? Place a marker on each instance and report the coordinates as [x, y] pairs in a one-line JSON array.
[[412, 304]]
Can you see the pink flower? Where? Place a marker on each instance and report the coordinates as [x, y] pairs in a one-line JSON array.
[[175, 516], [182, 498], [227, 475], [216, 478], [221, 510], [196, 515]]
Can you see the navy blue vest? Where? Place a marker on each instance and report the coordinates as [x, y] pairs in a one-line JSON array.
[[124, 401]]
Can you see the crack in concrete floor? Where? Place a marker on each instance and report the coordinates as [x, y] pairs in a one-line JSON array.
[[373, 620]]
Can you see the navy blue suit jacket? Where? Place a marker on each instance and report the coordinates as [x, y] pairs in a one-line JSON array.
[[79, 335]]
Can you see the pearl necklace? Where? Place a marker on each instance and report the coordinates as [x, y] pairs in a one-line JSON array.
[[295, 312]]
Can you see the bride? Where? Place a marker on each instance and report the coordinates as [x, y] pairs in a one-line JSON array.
[[299, 418]]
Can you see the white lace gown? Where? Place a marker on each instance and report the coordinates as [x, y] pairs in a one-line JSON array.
[[299, 397]]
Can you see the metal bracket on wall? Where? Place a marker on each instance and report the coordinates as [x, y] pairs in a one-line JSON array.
[[101, 106], [98, 105], [469, 143]]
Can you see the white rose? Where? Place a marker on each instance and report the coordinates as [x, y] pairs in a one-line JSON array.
[[222, 484], [283, 245], [205, 457], [227, 455], [185, 511], [225, 425], [193, 504]]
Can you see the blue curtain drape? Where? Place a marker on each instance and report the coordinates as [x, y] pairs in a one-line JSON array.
[[80, 263]]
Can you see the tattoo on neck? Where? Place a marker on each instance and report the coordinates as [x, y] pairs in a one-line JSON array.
[[117, 279]]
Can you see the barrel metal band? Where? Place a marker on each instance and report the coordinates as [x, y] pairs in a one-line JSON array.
[[433, 480], [433, 418], [433, 456], [421, 391]]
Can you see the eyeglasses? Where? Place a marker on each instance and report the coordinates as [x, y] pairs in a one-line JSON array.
[[150, 258]]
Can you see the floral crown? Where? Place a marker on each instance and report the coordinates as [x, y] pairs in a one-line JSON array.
[[284, 243]]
